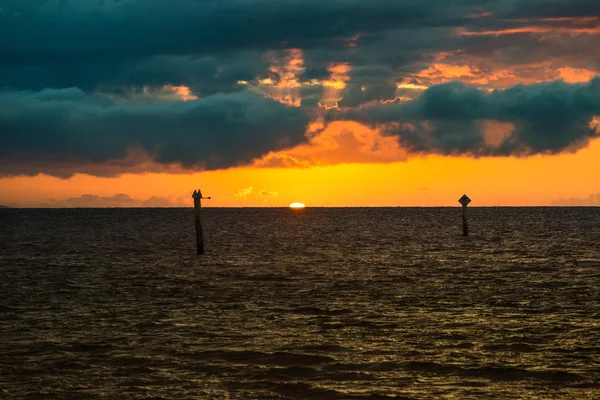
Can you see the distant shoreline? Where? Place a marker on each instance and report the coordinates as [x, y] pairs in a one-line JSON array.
[[279, 207]]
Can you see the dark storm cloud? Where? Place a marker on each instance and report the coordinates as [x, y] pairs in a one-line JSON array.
[[205, 75], [315, 73], [447, 119], [554, 9], [532, 49], [210, 45], [74, 30], [90, 44], [369, 83], [354, 95], [51, 31], [396, 51], [68, 126]]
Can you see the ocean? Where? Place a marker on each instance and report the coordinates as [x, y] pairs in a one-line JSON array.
[[320, 303]]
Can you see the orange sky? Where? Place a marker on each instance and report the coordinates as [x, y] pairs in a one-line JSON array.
[[420, 181]]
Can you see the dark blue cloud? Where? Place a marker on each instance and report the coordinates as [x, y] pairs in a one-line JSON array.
[[211, 44], [81, 29], [447, 119], [38, 129], [554, 9], [89, 43]]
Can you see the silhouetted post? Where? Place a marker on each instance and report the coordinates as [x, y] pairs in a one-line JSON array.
[[197, 196], [464, 200]]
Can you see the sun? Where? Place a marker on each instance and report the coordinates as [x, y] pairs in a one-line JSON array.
[[297, 206]]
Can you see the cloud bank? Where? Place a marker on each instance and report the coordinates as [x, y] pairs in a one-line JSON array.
[[68, 125], [118, 200], [454, 118], [214, 84], [592, 200]]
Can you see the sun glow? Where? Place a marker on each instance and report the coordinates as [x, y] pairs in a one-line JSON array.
[[297, 206]]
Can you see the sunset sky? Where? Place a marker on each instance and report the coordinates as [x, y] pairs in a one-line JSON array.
[[331, 103]]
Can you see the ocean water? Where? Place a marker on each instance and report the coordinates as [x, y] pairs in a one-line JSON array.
[[321, 303]]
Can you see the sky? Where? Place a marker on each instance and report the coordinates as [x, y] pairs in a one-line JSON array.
[[137, 103]]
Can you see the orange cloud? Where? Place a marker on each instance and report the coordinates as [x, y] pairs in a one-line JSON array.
[[576, 75], [495, 132], [288, 68], [182, 92], [534, 29], [448, 71], [332, 87], [286, 71], [480, 15], [442, 73], [249, 199], [338, 143], [282, 160], [339, 75], [489, 73], [285, 86], [595, 124]]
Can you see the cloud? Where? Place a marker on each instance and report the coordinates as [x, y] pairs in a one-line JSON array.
[[451, 119], [137, 161], [118, 200], [88, 82], [267, 193], [204, 74], [278, 160], [206, 45], [261, 198], [591, 200], [340, 142], [210, 46], [69, 126], [243, 193], [554, 9], [355, 94], [91, 29]]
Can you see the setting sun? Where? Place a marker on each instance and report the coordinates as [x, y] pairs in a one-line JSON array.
[[297, 205]]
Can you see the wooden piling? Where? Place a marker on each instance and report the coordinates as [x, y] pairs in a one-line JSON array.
[[464, 201], [197, 196]]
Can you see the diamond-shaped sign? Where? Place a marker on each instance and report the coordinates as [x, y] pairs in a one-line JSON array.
[[464, 200]]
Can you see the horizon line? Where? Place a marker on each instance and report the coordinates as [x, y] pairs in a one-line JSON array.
[[5, 207]]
